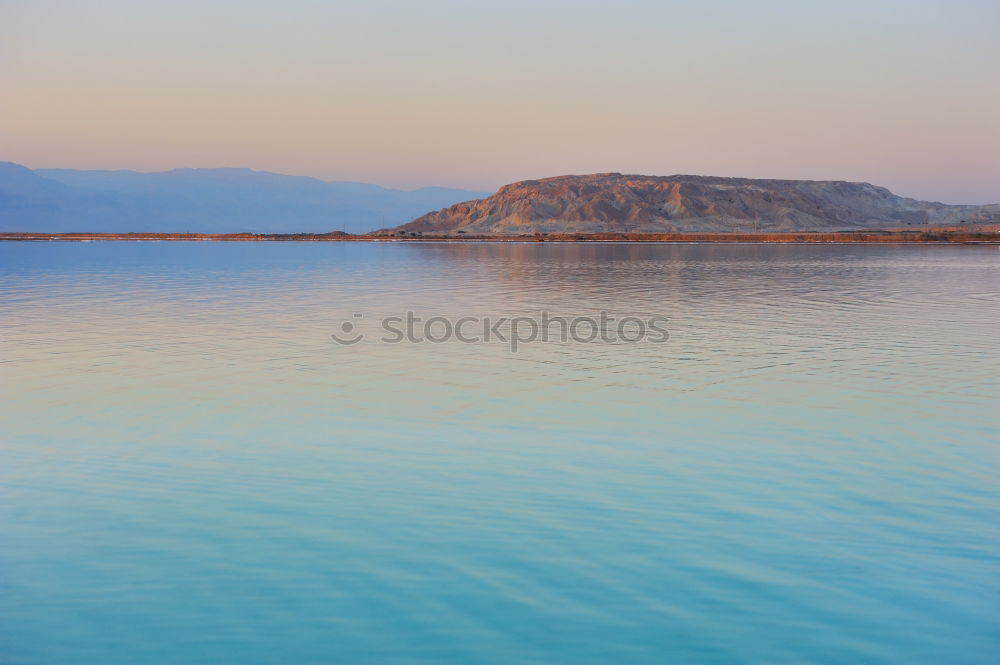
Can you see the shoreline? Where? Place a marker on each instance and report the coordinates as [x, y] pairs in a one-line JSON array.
[[943, 236]]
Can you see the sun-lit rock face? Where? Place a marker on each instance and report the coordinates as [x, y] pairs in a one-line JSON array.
[[612, 202]]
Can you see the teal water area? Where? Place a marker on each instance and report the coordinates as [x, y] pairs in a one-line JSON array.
[[192, 471]]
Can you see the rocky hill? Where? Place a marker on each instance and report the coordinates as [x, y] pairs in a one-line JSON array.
[[612, 202]]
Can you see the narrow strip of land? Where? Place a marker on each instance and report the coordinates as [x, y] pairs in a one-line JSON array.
[[924, 236]]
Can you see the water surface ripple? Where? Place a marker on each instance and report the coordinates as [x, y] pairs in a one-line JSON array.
[[193, 472]]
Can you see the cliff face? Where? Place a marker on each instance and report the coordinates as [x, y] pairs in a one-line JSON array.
[[612, 202]]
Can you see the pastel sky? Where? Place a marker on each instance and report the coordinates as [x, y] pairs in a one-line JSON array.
[[904, 94]]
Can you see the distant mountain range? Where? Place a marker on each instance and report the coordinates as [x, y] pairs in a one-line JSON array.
[[243, 200], [612, 202], [204, 201]]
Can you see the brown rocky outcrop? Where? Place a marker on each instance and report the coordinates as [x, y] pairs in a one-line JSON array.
[[612, 202]]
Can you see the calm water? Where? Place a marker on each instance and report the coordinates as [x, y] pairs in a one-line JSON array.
[[194, 472]]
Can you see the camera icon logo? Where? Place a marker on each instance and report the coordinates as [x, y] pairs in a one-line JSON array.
[[348, 336]]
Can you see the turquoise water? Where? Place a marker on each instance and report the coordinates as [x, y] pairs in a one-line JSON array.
[[194, 472]]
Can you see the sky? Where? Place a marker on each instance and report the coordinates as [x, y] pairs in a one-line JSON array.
[[475, 95]]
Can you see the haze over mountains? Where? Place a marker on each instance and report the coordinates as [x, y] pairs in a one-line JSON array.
[[612, 202], [243, 200], [204, 201]]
